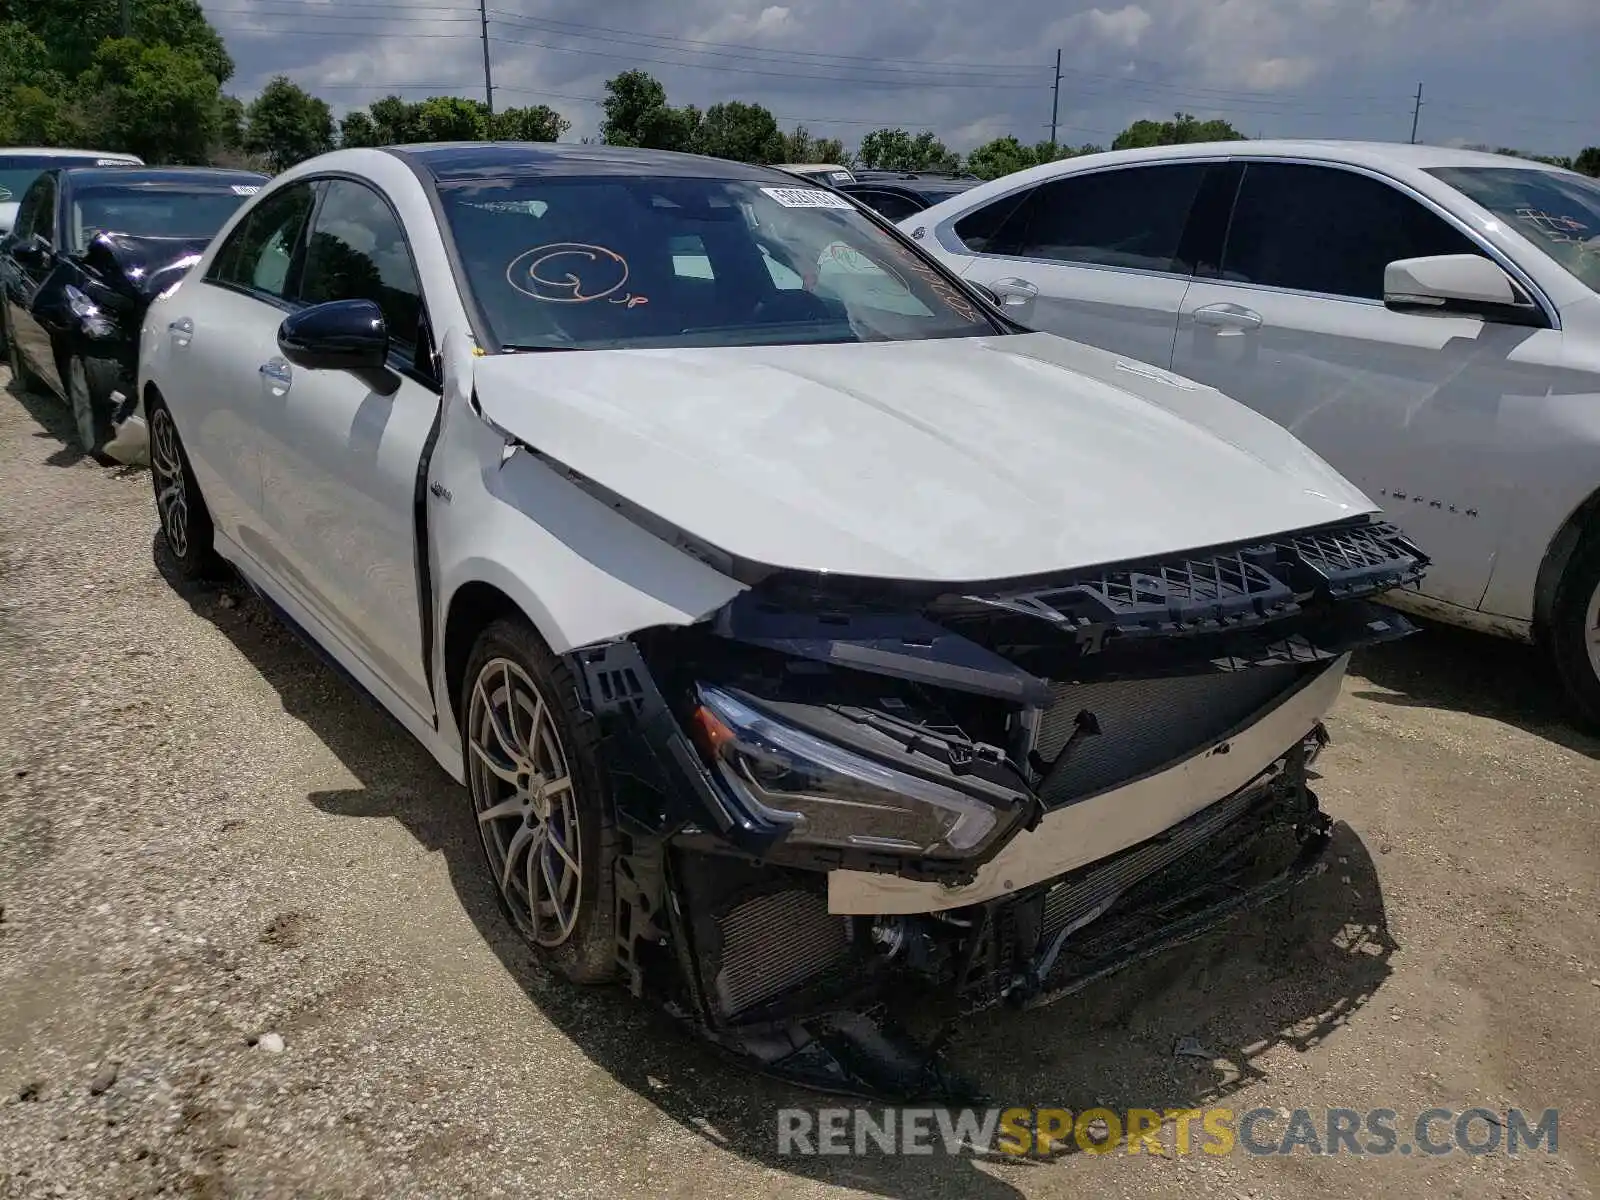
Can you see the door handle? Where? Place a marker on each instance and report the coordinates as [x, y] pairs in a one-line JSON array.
[[1016, 296], [181, 330], [1227, 316], [277, 374]]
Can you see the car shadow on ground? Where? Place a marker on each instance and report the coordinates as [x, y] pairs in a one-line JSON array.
[[1281, 978], [1454, 669], [55, 424]]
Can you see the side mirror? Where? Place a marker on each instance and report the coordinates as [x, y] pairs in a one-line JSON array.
[[1458, 285], [341, 335], [31, 250]]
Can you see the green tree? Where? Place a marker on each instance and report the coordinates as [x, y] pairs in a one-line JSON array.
[[230, 123], [451, 119], [157, 102], [285, 124], [742, 132], [357, 128], [394, 121], [1002, 156], [32, 116], [1588, 161], [540, 123], [74, 30], [897, 150], [1182, 129], [637, 114]]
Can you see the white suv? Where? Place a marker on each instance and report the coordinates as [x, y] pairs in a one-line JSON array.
[[1425, 319]]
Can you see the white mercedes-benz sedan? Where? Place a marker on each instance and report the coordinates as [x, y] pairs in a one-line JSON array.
[[804, 633], [1426, 319]]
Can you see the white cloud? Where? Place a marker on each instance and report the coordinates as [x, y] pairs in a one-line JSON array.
[[1124, 27]]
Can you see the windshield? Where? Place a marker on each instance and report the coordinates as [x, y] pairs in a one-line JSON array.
[[611, 262], [1557, 212], [18, 171], [151, 211]]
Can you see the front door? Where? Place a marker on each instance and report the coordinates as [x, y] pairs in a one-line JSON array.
[[1292, 323], [36, 238], [340, 461], [1095, 256]]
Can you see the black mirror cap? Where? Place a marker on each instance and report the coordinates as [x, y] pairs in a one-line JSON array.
[[340, 335]]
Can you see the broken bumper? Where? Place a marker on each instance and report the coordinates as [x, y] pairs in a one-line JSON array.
[[1097, 827]]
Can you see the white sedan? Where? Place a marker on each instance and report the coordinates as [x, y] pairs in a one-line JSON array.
[[1425, 319], [800, 628]]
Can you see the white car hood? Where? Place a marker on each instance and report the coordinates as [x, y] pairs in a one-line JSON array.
[[961, 460], [8, 215]]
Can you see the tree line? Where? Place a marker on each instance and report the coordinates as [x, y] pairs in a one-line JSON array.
[[68, 77]]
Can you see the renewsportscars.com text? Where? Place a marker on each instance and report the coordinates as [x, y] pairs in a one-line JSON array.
[[1262, 1132]]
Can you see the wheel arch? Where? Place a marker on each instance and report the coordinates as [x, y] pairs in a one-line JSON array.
[[1582, 521], [470, 608]]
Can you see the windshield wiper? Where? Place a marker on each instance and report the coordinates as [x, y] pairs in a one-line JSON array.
[[526, 349]]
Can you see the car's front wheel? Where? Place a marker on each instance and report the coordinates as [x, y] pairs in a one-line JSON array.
[[90, 383], [1575, 628], [540, 800], [185, 520]]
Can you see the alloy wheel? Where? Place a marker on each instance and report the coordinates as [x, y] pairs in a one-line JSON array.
[[1591, 631], [172, 493], [522, 791]]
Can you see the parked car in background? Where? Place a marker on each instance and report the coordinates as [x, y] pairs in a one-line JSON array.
[[804, 633], [1426, 319], [829, 173], [21, 165], [91, 247], [900, 194]]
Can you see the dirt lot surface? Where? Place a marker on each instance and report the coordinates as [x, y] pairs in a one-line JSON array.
[[247, 950]]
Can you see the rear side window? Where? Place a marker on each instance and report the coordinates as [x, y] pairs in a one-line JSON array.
[[1321, 229], [260, 250], [894, 207], [1131, 218], [357, 251], [37, 212]]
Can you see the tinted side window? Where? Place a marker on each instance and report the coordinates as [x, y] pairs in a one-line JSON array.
[[998, 227], [260, 251], [1130, 218], [37, 212], [358, 251], [893, 206], [1320, 229]]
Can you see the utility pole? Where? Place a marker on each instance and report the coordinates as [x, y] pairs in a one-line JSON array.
[[488, 79], [1055, 104], [127, 19], [1416, 111]]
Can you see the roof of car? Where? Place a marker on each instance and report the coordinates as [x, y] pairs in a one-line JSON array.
[[1402, 155], [221, 176], [447, 161], [65, 152]]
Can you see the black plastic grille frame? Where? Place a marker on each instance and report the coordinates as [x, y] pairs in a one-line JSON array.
[[1233, 586]]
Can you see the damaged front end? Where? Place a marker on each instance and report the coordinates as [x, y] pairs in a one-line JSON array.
[[853, 812]]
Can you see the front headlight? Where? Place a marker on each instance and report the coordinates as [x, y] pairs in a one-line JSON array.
[[95, 323], [827, 795]]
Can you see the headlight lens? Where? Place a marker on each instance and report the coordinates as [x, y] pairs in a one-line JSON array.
[[95, 323], [829, 796]]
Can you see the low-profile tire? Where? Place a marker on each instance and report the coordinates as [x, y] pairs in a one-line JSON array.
[[1574, 635], [90, 382], [541, 800], [185, 520]]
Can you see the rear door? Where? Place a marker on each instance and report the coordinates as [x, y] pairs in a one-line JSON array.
[[1094, 256], [1291, 321]]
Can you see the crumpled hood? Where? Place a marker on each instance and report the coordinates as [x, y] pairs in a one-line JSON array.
[[142, 267], [959, 460]]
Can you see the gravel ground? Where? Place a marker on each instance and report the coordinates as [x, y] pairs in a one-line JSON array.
[[246, 949]]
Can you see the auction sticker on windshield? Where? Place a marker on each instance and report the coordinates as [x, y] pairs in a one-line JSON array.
[[807, 198]]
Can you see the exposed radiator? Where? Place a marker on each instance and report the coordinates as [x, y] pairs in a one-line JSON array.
[[774, 942], [1146, 724]]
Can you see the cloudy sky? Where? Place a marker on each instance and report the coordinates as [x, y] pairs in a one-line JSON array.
[[1523, 73]]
